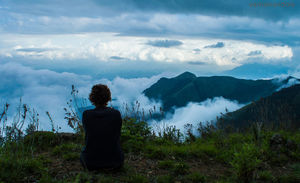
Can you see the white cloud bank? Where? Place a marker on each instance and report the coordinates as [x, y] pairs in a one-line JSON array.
[[43, 90], [194, 113], [46, 90], [105, 46]]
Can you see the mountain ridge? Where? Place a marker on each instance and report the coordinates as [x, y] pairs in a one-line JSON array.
[[187, 87], [280, 108]]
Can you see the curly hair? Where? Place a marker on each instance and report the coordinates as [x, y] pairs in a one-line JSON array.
[[100, 95]]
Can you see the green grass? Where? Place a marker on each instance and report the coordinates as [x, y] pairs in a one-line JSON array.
[[195, 177], [165, 179], [180, 168], [68, 152], [15, 169], [167, 164], [234, 157], [136, 178]]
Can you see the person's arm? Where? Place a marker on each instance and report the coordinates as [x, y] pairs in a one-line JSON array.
[[84, 120], [120, 123]]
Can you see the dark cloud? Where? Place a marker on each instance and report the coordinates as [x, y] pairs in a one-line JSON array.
[[36, 50], [196, 51], [155, 18], [117, 58], [254, 53], [218, 45], [267, 9], [196, 63], [164, 43]]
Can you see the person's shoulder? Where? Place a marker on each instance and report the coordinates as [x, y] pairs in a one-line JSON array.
[[113, 110], [85, 112]]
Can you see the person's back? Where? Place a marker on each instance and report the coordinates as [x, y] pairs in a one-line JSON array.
[[102, 127]]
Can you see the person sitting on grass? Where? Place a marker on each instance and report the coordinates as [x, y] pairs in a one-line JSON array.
[[102, 127]]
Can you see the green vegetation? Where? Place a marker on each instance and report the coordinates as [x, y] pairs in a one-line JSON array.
[[216, 156], [195, 177]]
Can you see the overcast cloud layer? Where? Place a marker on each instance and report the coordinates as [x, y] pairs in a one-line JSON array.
[[150, 30], [46, 46]]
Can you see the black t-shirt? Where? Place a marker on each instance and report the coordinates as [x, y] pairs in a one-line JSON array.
[[102, 128]]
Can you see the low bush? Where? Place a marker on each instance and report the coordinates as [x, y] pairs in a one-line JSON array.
[[195, 177], [245, 161], [137, 178], [167, 164], [156, 152], [41, 140], [180, 168], [19, 169], [68, 151], [165, 179], [265, 176]]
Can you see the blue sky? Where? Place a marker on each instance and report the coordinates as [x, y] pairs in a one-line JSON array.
[[47, 45]]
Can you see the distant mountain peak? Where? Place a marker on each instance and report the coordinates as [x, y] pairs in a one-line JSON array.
[[186, 75], [187, 87]]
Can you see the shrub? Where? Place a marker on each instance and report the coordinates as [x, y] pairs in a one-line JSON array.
[[133, 144], [44, 159], [178, 151], [41, 140], [136, 128], [165, 179], [206, 130], [106, 180], [180, 168], [18, 169], [66, 148], [161, 141], [134, 134], [190, 136], [136, 179], [245, 162], [295, 174], [203, 148], [68, 151], [82, 177], [195, 177], [266, 176], [171, 133], [47, 179], [71, 156], [155, 152], [277, 158], [166, 164]]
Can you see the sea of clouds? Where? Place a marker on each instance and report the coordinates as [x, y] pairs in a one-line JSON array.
[[196, 113], [46, 90]]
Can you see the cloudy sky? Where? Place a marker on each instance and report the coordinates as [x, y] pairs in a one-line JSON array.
[[48, 45]]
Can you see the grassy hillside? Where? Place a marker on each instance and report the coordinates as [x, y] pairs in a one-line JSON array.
[[180, 90], [216, 156], [281, 107]]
